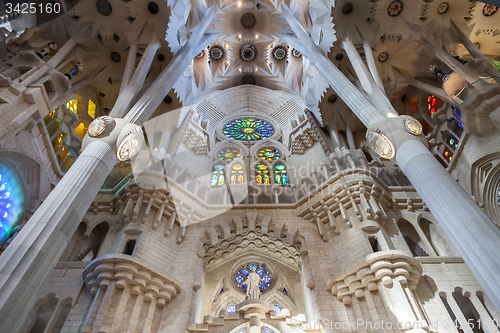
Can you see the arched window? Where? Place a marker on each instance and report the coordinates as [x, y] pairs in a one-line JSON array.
[[262, 174], [277, 308], [280, 174], [218, 178], [231, 308], [433, 104], [412, 239], [237, 174], [450, 139]]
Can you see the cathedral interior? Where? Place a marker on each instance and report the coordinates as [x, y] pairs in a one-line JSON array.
[[249, 166]]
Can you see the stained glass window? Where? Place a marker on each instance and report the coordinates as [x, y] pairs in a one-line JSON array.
[[242, 273], [248, 129], [431, 104], [218, 178], [280, 174], [458, 115], [231, 308], [262, 174], [269, 154], [229, 154], [237, 174], [11, 202], [277, 308]]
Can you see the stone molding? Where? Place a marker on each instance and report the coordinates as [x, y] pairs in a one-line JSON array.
[[133, 273], [378, 267], [257, 234]]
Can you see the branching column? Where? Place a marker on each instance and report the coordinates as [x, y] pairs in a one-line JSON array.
[[32, 255], [471, 231]]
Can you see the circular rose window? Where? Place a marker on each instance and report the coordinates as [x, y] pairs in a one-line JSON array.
[[216, 52], [248, 52], [395, 8], [279, 53], [248, 129]]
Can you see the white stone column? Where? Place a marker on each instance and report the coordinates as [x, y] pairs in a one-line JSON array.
[[487, 324], [34, 252], [350, 138], [458, 314], [471, 231]]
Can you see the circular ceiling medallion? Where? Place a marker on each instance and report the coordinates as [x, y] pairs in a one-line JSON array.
[[382, 57], [97, 127], [130, 145], [248, 79], [413, 126], [248, 52], [443, 8], [395, 8], [167, 99], [296, 53], [200, 55], [216, 52], [347, 8], [248, 20], [153, 8], [115, 57], [104, 7], [381, 145], [489, 10], [279, 53]]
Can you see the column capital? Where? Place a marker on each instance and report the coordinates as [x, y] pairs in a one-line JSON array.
[[125, 138], [387, 136]]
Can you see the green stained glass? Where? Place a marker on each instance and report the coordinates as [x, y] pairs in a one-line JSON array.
[[229, 154], [280, 175], [248, 129], [218, 178], [269, 154]]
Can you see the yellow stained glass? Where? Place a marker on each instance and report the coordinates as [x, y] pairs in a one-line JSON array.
[[73, 105], [91, 110]]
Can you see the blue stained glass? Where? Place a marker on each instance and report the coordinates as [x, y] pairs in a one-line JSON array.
[[248, 130], [285, 292], [244, 271], [240, 279], [277, 308], [11, 202], [231, 308], [266, 279], [260, 271], [252, 266]]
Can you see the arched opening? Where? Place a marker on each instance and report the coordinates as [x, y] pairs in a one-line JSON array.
[[412, 239], [92, 245], [447, 306], [429, 230], [468, 310], [44, 313]]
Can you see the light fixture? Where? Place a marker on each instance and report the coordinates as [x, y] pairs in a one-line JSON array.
[[381, 145], [413, 126], [239, 36], [256, 36], [256, 70], [239, 70]]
